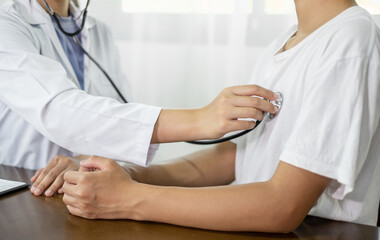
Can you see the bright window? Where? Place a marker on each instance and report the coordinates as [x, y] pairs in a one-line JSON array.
[[179, 6], [272, 7], [279, 7], [372, 6]]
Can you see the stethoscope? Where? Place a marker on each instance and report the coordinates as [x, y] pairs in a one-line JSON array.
[[277, 103], [77, 42]]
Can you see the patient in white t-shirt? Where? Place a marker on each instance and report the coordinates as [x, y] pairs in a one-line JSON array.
[[319, 156]]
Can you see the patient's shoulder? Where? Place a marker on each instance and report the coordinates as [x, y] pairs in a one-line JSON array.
[[351, 34]]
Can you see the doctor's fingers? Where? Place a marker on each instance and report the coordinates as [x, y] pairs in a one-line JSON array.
[[244, 112], [238, 125], [254, 102], [45, 179], [254, 90], [55, 186], [34, 178], [50, 173]]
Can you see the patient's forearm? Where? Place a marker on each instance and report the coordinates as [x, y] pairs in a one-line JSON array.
[[211, 167], [251, 207], [277, 205]]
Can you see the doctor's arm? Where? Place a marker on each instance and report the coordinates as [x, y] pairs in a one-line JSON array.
[[277, 205], [37, 89], [217, 118]]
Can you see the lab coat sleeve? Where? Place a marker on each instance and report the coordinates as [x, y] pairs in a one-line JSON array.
[[120, 75], [37, 88]]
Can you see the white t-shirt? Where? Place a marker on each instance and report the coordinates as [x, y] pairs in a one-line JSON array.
[[329, 123]]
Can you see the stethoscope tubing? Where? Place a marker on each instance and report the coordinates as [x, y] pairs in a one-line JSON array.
[[74, 35]]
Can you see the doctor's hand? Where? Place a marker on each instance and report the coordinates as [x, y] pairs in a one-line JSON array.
[[98, 190], [221, 115], [50, 178]]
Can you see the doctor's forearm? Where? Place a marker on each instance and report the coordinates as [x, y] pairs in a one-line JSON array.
[[178, 125]]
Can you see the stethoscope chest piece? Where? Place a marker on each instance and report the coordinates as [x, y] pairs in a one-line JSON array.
[[278, 103]]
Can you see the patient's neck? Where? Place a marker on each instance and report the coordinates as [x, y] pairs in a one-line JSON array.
[[312, 14], [61, 7]]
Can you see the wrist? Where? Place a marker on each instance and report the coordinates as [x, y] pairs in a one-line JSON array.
[[137, 173], [133, 201], [200, 127]]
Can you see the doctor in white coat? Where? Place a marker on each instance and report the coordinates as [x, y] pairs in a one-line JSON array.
[[44, 113]]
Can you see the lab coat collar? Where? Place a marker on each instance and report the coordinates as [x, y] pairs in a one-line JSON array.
[[35, 14]]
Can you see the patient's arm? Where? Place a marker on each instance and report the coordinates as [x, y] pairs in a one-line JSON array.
[[277, 205], [211, 167]]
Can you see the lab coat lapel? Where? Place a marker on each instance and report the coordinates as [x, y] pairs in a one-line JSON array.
[[49, 28], [86, 42], [38, 16]]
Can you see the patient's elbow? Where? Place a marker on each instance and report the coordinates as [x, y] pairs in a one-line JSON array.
[[288, 219]]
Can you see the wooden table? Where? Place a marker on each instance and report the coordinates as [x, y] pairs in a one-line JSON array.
[[24, 216]]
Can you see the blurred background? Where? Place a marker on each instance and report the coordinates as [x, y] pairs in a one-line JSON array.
[[182, 53]]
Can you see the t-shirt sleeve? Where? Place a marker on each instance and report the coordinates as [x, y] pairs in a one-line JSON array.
[[337, 120]]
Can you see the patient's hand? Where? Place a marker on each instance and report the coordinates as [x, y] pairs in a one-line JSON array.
[[101, 189], [50, 178]]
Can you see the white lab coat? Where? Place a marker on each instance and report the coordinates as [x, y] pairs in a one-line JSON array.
[[42, 111]]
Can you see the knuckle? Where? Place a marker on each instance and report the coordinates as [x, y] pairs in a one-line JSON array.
[[85, 207], [66, 175], [254, 112], [255, 101], [88, 214], [223, 124], [260, 116], [51, 175], [64, 198], [221, 112], [68, 161], [248, 124], [224, 100], [92, 158], [55, 160], [227, 90], [44, 172], [109, 163], [82, 193], [255, 88], [82, 179]]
